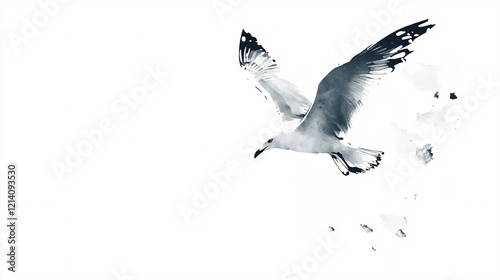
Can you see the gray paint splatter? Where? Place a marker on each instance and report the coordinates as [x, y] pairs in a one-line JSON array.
[[366, 228], [431, 117], [425, 154], [453, 96], [339, 96], [392, 222], [400, 233], [436, 94], [425, 78]]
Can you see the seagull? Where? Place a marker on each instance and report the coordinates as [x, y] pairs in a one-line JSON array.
[[320, 127]]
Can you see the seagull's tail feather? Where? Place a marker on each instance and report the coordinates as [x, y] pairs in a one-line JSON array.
[[356, 160]]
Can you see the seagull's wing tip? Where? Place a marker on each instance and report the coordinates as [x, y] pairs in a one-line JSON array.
[[425, 21]]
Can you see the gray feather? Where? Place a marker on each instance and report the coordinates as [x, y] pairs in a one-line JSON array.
[[341, 91]]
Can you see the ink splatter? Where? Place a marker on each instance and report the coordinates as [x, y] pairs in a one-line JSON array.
[[331, 228], [414, 197], [453, 96], [392, 222], [366, 228], [436, 95], [425, 154], [400, 233], [374, 249]]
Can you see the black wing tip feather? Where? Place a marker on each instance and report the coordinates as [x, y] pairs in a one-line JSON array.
[[386, 53], [430, 25], [248, 43]]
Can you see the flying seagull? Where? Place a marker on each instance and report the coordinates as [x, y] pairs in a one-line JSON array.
[[320, 126]]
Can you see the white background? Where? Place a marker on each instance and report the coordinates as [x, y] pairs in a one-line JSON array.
[[117, 213]]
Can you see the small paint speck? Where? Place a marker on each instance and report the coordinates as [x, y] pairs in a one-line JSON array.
[[366, 228], [400, 233], [374, 249], [436, 95], [453, 96], [331, 228]]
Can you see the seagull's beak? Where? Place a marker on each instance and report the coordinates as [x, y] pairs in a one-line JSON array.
[[260, 151]]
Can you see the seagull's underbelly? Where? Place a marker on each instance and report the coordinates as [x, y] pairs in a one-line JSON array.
[[324, 144]]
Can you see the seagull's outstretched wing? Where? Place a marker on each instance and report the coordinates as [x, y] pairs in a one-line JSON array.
[[265, 72], [340, 92]]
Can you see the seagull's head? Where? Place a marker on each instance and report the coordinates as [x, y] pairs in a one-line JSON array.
[[268, 145], [280, 141]]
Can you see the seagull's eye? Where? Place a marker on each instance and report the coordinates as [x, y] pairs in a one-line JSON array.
[[270, 140]]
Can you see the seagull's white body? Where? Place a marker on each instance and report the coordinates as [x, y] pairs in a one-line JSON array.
[[321, 124], [300, 142]]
